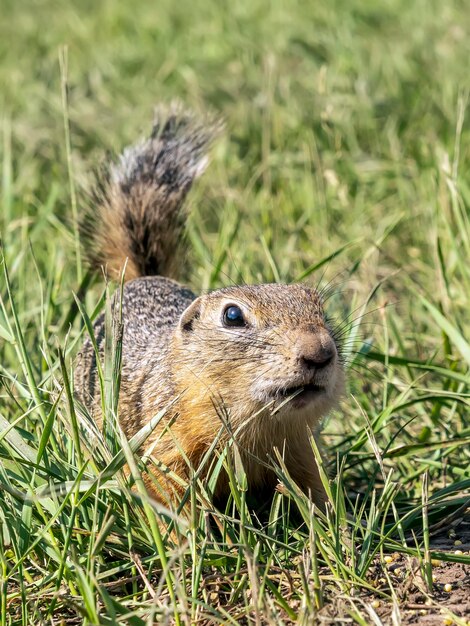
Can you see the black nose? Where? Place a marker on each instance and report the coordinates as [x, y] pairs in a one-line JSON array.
[[316, 351], [317, 362]]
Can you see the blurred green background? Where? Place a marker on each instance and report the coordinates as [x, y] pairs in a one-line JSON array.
[[340, 116]]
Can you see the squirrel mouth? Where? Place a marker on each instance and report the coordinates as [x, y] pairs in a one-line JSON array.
[[299, 389], [300, 395]]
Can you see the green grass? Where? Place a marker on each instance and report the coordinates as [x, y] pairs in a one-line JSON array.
[[345, 161]]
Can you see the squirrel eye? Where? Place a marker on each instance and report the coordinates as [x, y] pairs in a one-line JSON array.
[[233, 316]]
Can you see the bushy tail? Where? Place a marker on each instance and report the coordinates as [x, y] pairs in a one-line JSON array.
[[137, 210]]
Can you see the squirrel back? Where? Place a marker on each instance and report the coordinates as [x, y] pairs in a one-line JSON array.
[[136, 213]]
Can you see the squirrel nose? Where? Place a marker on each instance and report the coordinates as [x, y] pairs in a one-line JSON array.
[[316, 350]]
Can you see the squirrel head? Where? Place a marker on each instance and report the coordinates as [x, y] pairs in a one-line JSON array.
[[262, 349]]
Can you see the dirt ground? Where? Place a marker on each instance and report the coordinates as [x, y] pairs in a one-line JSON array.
[[414, 604]]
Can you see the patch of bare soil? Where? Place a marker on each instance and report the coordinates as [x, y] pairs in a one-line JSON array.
[[447, 602]]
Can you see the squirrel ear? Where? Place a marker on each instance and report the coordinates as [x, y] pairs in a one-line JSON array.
[[189, 315]]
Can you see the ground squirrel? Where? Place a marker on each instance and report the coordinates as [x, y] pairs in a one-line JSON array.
[[258, 363]]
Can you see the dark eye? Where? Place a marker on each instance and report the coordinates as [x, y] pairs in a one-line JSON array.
[[233, 316]]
